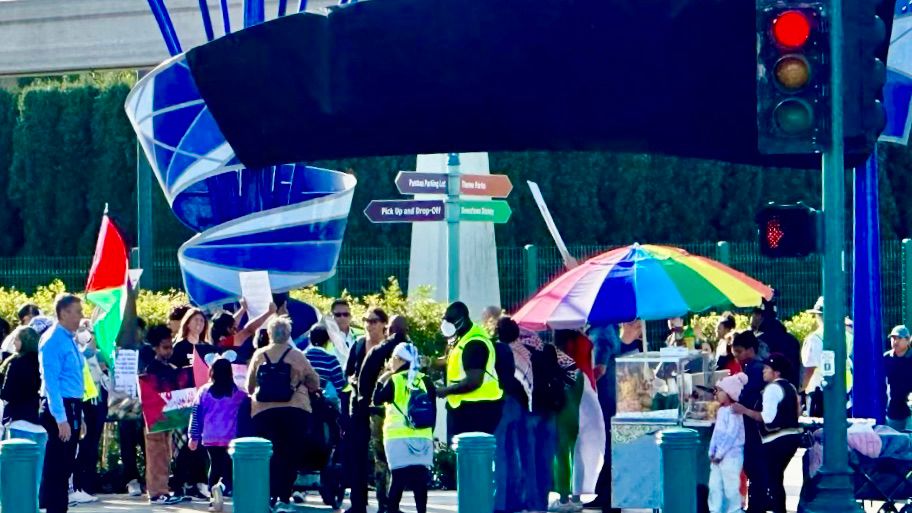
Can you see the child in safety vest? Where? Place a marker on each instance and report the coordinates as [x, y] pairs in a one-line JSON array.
[[408, 437]]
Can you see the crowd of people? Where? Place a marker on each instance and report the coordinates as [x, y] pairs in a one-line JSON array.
[[521, 386]]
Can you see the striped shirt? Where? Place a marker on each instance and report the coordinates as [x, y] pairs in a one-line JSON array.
[[327, 367]]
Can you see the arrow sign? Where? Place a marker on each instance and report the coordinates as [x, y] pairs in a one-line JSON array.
[[496, 211], [404, 211], [410, 182], [496, 186]]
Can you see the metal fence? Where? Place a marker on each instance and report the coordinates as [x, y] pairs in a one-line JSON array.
[[364, 270]]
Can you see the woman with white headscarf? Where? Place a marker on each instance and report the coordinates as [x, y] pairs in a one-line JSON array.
[[408, 436]]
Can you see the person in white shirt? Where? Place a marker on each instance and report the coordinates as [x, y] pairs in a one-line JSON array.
[[812, 360], [726, 448]]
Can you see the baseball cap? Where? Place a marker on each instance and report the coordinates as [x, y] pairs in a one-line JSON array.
[[900, 332], [778, 362]]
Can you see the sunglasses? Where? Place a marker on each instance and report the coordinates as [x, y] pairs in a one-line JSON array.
[[372, 320], [341, 314]]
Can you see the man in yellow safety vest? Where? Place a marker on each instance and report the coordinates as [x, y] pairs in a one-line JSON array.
[[473, 392]]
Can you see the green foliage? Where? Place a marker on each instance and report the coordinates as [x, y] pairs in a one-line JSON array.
[[704, 325], [801, 325], [154, 307], [423, 314]]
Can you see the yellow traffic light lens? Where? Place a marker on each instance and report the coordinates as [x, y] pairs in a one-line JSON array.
[[793, 117], [792, 72]]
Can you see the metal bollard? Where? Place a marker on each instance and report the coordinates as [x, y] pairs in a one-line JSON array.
[[18, 467], [474, 472], [250, 459], [679, 469]]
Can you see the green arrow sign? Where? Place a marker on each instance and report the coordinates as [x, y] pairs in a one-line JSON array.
[[495, 211]]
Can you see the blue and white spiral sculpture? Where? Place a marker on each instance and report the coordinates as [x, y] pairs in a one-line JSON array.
[[288, 220]]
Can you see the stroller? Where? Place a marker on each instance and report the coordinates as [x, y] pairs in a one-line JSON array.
[[321, 465]]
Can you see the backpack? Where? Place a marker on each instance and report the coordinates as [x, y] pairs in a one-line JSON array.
[[548, 385], [274, 381], [420, 411]]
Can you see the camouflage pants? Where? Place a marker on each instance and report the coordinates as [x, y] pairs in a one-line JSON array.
[[381, 472]]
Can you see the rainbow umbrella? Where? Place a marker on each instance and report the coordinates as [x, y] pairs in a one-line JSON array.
[[639, 282]]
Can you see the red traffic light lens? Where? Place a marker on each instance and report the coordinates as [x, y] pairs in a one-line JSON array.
[[791, 29]]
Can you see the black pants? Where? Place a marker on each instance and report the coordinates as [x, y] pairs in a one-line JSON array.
[[471, 417], [778, 454], [414, 478], [606, 396], [132, 441], [219, 467], [756, 469], [285, 428], [60, 458], [190, 467], [815, 399], [357, 444], [94, 415]]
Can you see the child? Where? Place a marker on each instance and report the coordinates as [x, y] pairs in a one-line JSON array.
[[158, 445], [726, 448], [409, 450], [214, 422]]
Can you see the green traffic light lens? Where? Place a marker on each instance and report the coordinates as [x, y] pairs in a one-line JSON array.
[[793, 117]]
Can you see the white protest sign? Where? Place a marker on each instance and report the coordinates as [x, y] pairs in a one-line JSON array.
[[126, 370], [256, 291]]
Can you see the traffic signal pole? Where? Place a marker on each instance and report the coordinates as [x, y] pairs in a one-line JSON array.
[[835, 492], [452, 218]]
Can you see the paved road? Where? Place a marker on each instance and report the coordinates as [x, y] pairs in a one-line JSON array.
[[440, 502]]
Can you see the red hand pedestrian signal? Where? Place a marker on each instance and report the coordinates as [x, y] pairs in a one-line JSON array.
[[774, 233]]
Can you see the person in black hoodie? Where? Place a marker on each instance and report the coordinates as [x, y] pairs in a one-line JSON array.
[[20, 390], [772, 334]]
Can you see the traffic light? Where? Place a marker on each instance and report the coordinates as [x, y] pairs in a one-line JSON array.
[[787, 230], [865, 52], [792, 77]]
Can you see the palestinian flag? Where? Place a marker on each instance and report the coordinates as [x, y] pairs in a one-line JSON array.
[[107, 287], [590, 443], [167, 402]]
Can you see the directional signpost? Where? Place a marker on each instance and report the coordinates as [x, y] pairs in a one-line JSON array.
[[497, 211], [451, 185], [404, 211]]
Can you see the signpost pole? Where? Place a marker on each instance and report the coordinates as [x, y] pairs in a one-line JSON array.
[[835, 492], [452, 217]]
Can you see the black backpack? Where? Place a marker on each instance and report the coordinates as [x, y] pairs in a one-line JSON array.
[[421, 413], [274, 381], [548, 383]]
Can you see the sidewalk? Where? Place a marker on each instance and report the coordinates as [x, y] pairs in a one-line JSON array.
[[439, 502]]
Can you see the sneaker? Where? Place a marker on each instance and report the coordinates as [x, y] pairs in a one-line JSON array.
[[577, 505], [283, 507], [562, 507], [203, 490], [134, 489], [165, 500], [80, 497], [299, 497], [218, 499]]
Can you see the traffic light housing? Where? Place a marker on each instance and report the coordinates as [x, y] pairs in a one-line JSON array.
[[865, 52], [792, 77], [787, 230]]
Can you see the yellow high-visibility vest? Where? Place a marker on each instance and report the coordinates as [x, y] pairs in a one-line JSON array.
[[490, 387], [395, 425]]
